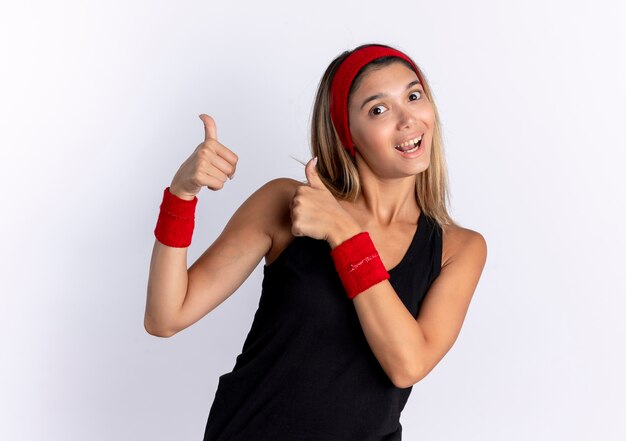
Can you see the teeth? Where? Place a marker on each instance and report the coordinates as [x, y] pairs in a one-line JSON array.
[[408, 143], [410, 150]]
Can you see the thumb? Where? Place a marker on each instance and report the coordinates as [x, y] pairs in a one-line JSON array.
[[311, 174], [210, 129]]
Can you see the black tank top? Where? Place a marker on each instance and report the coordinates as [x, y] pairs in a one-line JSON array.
[[306, 371]]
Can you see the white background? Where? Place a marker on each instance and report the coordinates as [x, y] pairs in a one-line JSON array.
[[98, 109]]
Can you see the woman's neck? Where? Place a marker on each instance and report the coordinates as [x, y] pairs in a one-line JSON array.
[[388, 201]]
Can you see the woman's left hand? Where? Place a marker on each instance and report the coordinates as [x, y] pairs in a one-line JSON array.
[[314, 210]]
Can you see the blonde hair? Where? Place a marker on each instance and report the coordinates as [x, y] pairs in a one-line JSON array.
[[337, 169]]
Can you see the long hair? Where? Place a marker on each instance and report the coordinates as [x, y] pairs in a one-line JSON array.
[[337, 169]]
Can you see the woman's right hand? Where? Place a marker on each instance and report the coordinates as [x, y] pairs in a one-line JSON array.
[[210, 165]]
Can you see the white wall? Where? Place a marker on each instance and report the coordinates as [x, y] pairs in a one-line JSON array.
[[98, 108]]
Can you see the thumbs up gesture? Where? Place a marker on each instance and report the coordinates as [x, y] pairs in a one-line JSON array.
[[314, 210], [210, 165]]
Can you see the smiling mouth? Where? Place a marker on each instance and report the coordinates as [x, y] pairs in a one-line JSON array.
[[410, 145]]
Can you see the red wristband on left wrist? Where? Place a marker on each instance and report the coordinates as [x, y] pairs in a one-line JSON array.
[[358, 264]]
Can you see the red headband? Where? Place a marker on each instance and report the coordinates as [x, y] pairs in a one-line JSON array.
[[342, 80]]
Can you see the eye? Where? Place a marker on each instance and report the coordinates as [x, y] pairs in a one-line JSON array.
[[377, 110], [416, 92]]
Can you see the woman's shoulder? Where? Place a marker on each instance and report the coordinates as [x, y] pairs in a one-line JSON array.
[[458, 241], [278, 187], [276, 196], [285, 182], [278, 193], [267, 208]]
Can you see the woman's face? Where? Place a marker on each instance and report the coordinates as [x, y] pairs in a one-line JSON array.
[[388, 109]]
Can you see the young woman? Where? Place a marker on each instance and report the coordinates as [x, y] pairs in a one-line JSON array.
[[367, 279]]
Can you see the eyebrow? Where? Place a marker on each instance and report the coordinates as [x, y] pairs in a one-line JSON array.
[[382, 95]]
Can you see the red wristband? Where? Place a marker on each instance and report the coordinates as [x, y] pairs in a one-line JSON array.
[[175, 224], [358, 264]]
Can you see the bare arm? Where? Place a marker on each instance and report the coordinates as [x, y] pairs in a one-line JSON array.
[[167, 286], [408, 349], [178, 297]]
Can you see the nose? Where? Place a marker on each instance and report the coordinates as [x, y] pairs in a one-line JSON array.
[[405, 118]]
